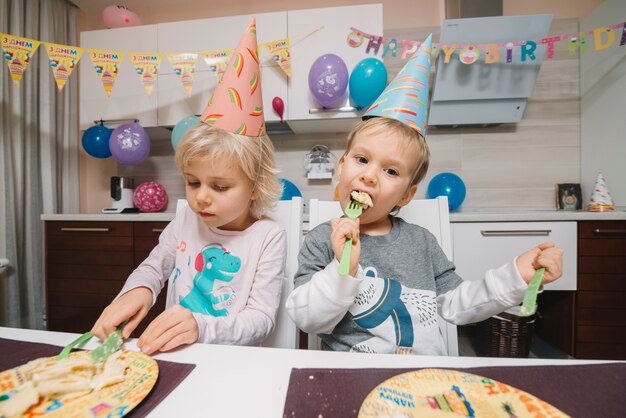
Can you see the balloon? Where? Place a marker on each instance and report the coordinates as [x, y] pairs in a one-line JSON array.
[[447, 184], [150, 197], [367, 81], [119, 16], [328, 80], [96, 141], [129, 143], [182, 127], [290, 190], [279, 106]]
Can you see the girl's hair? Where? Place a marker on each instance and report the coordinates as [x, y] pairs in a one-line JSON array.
[[255, 156], [406, 134]]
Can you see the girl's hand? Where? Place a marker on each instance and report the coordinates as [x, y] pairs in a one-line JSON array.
[[132, 305], [173, 327], [544, 255], [342, 229]]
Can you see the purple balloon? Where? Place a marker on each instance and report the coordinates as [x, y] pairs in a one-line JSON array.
[[328, 80], [129, 143]]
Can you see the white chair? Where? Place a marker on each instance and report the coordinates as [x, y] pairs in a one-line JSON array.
[[289, 214], [432, 214]]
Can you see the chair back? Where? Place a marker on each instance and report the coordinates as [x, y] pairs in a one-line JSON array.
[[432, 214], [288, 213]]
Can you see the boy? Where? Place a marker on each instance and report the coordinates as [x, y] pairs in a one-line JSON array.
[[399, 278]]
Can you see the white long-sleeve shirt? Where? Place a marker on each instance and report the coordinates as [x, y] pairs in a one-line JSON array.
[[230, 280]]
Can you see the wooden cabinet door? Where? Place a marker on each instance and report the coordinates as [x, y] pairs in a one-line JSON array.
[[315, 32], [129, 99]]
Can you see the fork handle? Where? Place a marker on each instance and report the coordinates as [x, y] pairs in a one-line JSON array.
[[344, 263]]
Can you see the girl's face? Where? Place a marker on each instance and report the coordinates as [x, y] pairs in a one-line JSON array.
[[383, 167], [220, 193]]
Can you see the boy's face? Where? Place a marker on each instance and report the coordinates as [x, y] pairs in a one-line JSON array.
[[220, 193], [383, 167]]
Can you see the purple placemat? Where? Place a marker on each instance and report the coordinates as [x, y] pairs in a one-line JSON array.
[[15, 353], [580, 391]]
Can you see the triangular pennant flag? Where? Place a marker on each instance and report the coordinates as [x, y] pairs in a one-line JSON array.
[[280, 54], [146, 67], [18, 52], [184, 66], [63, 60], [107, 64], [405, 99], [237, 103], [217, 60]]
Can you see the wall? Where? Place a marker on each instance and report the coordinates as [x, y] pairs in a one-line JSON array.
[[603, 87], [507, 166]]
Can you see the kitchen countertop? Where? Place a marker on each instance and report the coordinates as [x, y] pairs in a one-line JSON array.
[[463, 215]]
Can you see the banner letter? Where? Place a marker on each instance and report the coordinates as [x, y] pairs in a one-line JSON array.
[[448, 51], [491, 53], [469, 54], [391, 46], [375, 42], [597, 37], [528, 49], [409, 48]]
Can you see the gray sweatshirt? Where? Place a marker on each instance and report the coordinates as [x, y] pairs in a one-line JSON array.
[[403, 282]]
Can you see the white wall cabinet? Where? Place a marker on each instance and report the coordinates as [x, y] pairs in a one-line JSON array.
[[479, 247], [128, 99], [315, 32], [211, 34]]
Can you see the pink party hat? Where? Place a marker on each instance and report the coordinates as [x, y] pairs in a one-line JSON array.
[[405, 99], [237, 104]]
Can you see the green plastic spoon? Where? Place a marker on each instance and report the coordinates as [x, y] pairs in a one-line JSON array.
[[529, 305]]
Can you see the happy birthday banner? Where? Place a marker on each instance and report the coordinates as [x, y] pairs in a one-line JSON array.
[[603, 37], [19, 51]]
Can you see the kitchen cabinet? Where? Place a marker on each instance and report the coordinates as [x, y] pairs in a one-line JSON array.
[[87, 263], [478, 247], [128, 99], [600, 305], [212, 34], [315, 32]]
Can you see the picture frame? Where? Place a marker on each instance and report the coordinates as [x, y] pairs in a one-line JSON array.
[[569, 197]]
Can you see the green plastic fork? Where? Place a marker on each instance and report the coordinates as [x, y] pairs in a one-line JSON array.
[[353, 211], [529, 305], [109, 346]]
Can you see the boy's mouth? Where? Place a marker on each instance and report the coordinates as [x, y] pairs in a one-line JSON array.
[[364, 198]]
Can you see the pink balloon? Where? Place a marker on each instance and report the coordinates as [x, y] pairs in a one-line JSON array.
[[150, 197], [119, 16], [279, 106]]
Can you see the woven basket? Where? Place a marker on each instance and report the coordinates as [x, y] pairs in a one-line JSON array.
[[507, 334]]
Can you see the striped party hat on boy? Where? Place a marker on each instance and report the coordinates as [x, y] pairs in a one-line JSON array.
[[237, 104], [405, 99]]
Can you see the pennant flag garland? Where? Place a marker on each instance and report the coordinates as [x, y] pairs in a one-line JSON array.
[[146, 66], [106, 64], [184, 66], [280, 54], [17, 53], [63, 60], [217, 60]]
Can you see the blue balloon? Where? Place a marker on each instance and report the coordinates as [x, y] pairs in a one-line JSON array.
[[96, 141], [447, 184], [182, 127], [290, 190], [367, 81]]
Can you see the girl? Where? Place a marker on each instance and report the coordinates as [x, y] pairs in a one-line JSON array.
[[225, 260]]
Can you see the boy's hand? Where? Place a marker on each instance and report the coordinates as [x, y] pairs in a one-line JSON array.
[[544, 255], [132, 305], [173, 327], [342, 229]]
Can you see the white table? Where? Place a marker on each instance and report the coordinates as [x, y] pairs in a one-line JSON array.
[[231, 381]]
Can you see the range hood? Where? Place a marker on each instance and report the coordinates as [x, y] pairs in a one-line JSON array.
[[340, 120], [480, 93]]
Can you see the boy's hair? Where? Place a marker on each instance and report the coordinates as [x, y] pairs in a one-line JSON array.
[[394, 128], [255, 156]]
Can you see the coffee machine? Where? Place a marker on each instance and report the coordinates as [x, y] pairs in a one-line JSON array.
[[122, 196]]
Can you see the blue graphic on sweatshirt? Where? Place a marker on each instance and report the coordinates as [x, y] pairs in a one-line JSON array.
[[392, 313], [212, 263]]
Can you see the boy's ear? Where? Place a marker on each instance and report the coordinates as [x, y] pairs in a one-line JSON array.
[[408, 196], [340, 165]]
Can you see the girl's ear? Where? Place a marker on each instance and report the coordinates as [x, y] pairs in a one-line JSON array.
[[408, 196]]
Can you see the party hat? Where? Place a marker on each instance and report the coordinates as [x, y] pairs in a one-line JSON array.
[[237, 104], [601, 200], [405, 99]]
